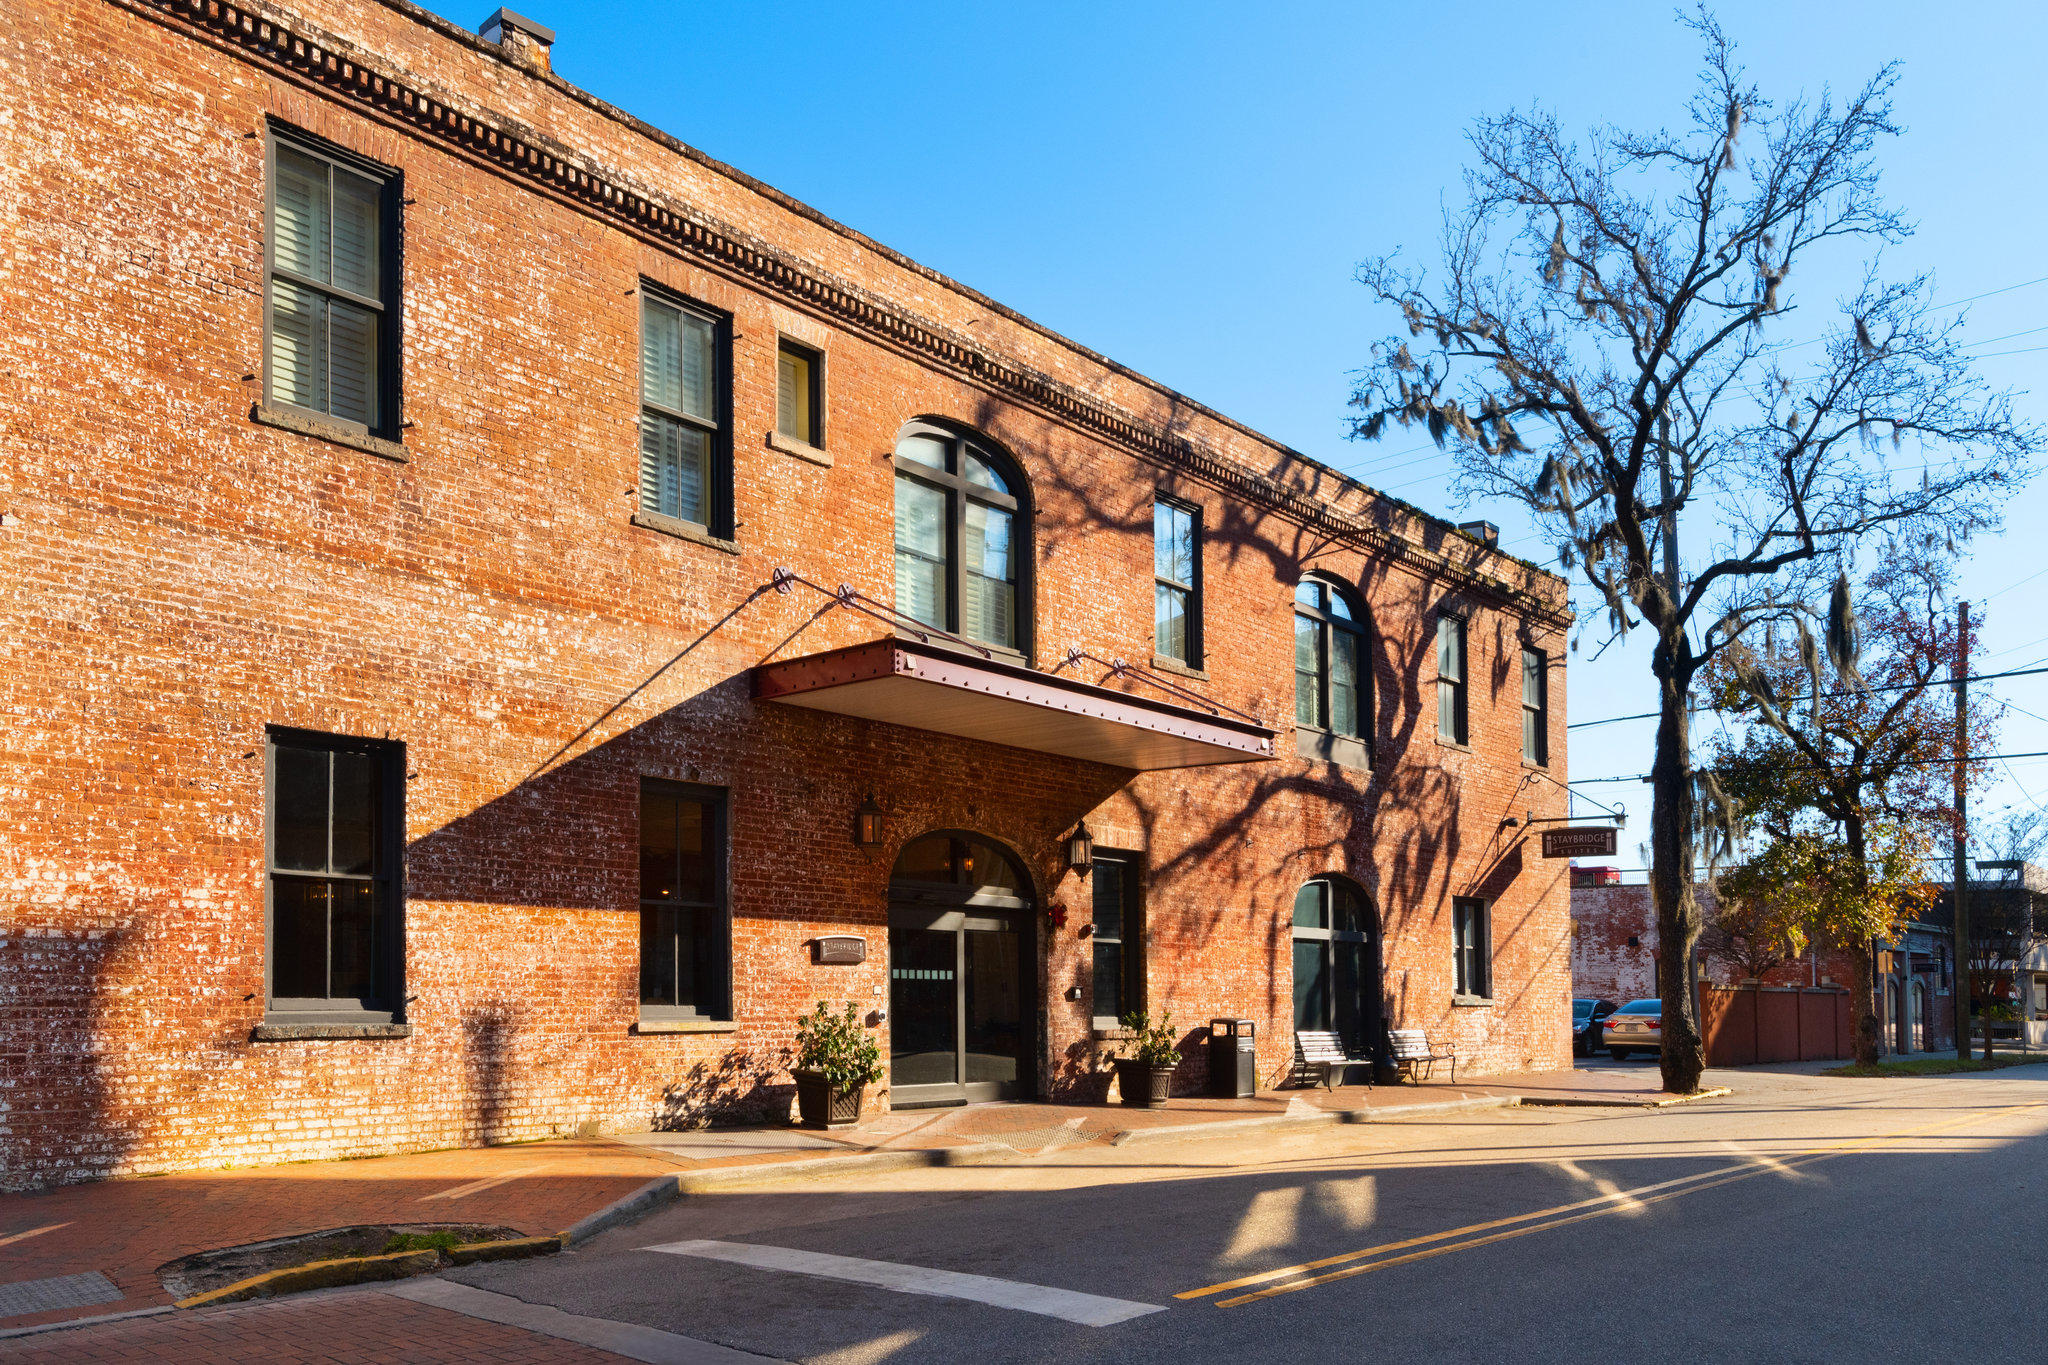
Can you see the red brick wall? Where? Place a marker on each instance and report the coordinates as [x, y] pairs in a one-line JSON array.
[[1605, 967], [178, 578]]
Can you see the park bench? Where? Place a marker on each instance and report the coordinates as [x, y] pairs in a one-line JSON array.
[[1408, 1050], [1319, 1055]]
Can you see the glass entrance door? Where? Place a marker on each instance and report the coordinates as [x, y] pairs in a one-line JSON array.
[[958, 954], [1336, 965]]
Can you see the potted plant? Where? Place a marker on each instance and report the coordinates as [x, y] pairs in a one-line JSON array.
[[836, 1060], [1145, 1078]]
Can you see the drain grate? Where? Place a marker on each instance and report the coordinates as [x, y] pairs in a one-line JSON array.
[[62, 1291]]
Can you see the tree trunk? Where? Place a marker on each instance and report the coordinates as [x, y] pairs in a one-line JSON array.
[[1671, 870], [1863, 990]]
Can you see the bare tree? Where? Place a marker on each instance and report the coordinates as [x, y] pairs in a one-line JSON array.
[[1609, 343]]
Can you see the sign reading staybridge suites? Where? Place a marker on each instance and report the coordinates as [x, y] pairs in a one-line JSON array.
[[1584, 842]]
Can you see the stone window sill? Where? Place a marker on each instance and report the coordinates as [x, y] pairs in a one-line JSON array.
[[1472, 1002], [683, 530], [1175, 666], [652, 1026], [325, 429], [280, 1031], [1342, 750], [1453, 744], [803, 450]]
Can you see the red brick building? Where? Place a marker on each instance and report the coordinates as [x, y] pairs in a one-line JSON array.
[[1615, 948], [489, 589]]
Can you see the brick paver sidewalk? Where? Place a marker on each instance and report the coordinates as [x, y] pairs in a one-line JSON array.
[[126, 1229], [324, 1328]]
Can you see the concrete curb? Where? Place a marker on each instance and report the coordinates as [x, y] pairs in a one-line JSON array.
[[349, 1270], [1582, 1102], [1326, 1116], [668, 1189], [9, 1333]]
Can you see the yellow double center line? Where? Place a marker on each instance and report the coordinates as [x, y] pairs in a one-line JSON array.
[[1298, 1277]]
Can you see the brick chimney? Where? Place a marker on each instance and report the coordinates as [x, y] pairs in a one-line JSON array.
[[524, 41]]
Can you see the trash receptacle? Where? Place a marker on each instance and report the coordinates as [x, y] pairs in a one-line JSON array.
[[1233, 1058]]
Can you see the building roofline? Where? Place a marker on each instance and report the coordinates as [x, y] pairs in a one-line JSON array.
[[278, 38], [670, 142]]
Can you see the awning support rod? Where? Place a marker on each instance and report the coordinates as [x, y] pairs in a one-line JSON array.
[[1158, 680]]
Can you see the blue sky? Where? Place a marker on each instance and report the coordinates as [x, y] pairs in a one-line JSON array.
[[1188, 187]]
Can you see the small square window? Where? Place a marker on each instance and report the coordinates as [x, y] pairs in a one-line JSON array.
[[800, 394]]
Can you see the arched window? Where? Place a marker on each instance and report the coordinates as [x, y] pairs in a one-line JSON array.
[[1332, 683], [960, 509], [1336, 963]]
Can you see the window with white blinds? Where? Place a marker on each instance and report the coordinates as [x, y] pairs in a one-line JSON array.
[[332, 274], [799, 398], [682, 412], [959, 563]]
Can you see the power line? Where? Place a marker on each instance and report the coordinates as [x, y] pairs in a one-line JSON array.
[[1910, 763], [1807, 696]]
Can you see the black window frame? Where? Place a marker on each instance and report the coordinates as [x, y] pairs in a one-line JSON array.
[[815, 358], [717, 840], [1536, 710], [387, 303], [1130, 939], [1332, 742], [384, 1006], [719, 494], [1189, 592], [960, 491], [1457, 687], [1472, 947]]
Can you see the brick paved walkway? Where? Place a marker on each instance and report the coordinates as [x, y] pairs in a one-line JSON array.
[[127, 1228], [351, 1326]]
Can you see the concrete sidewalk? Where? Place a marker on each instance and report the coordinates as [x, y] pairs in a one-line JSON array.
[[97, 1246]]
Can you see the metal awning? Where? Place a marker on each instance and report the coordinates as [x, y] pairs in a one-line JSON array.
[[926, 687]]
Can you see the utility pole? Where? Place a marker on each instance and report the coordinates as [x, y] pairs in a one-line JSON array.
[[1959, 898]]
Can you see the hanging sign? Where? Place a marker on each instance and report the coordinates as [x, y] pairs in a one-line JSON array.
[[839, 950], [1587, 841]]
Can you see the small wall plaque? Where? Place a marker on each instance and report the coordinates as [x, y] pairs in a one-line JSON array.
[[839, 950]]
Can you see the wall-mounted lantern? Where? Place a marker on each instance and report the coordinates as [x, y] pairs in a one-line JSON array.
[[867, 823], [1081, 849]]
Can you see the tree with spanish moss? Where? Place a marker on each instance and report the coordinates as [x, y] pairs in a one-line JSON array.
[[1613, 341]]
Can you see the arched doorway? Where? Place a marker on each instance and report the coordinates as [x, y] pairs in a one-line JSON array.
[[1895, 1016], [960, 949], [1337, 964], [1918, 1032]]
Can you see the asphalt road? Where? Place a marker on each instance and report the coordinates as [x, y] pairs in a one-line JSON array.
[[1806, 1217]]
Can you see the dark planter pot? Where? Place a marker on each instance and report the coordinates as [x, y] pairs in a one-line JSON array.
[[818, 1105], [1142, 1084]]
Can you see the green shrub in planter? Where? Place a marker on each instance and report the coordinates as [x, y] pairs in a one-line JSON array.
[[1145, 1078], [837, 1059]]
